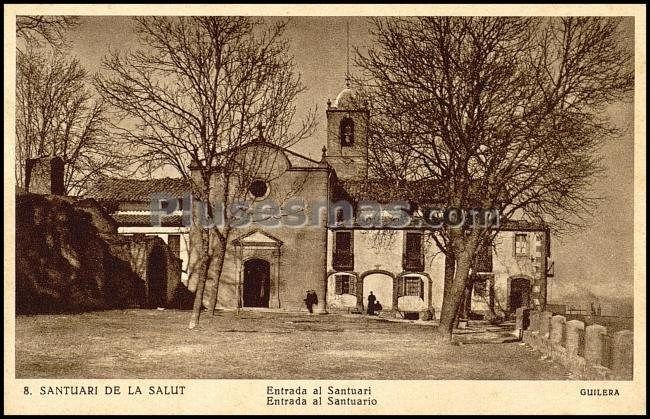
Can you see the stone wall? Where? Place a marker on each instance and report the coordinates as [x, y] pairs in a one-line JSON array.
[[151, 260], [588, 351]]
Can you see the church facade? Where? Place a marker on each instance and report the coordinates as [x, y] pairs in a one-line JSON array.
[[318, 237]]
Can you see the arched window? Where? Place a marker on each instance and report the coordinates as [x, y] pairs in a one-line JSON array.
[[347, 132]]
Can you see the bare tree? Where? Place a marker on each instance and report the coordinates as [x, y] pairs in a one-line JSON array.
[[57, 114], [36, 30], [198, 91], [502, 113]]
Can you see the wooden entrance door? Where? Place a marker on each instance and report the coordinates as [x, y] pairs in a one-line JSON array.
[[257, 283], [519, 293]]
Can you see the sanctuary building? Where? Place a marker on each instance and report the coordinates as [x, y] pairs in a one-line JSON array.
[[313, 241]]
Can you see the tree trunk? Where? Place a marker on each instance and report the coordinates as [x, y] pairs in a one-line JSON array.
[[450, 270], [212, 303], [203, 276], [454, 297], [198, 221]]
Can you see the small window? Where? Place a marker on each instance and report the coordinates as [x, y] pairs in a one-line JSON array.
[[345, 284], [413, 286], [521, 244], [347, 132]]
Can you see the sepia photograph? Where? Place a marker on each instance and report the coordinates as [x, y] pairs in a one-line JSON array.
[[221, 196]]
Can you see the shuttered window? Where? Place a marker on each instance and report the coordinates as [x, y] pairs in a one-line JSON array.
[[343, 241], [345, 284], [414, 244], [413, 258], [343, 251], [411, 286]]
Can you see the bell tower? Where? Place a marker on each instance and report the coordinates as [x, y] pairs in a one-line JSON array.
[[347, 144]]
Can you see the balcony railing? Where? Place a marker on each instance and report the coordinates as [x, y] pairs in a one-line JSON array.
[[413, 262], [343, 260]]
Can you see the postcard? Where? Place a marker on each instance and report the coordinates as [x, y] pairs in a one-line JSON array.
[[325, 209]]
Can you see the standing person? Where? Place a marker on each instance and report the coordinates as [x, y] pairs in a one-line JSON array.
[[371, 303], [310, 300], [314, 301], [308, 303]]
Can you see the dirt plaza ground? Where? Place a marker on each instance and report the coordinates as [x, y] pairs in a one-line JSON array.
[[260, 345]]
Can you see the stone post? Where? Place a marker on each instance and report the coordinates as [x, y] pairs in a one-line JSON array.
[[574, 330], [522, 320], [557, 329], [594, 344], [545, 323], [396, 293], [623, 353], [534, 321], [45, 175]]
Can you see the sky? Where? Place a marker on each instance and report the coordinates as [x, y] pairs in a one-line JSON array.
[[593, 263]]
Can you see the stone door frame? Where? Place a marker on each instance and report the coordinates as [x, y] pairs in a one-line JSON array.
[[267, 248]]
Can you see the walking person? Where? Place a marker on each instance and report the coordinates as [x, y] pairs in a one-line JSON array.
[[371, 303]]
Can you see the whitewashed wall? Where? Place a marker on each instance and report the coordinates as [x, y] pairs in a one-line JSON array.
[[163, 233]]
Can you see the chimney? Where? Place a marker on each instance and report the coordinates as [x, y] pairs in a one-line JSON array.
[[44, 175]]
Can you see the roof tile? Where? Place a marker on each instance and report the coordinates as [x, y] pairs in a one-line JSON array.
[[133, 190]]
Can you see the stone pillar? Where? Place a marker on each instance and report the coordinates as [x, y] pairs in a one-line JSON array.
[[557, 329], [623, 353], [534, 321], [396, 283], [44, 175], [359, 293], [321, 293], [574, 331], [545, 323], [594, 344]]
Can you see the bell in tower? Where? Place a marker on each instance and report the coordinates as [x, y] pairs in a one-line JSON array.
[[347, 132], [347, 146]]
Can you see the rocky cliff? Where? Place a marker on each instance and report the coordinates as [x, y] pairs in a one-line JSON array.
[[67, 262]]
